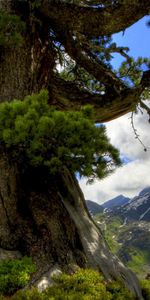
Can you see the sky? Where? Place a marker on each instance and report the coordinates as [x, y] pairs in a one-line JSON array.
[[134, 175]]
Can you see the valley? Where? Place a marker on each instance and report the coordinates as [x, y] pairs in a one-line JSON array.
[[126, 226]]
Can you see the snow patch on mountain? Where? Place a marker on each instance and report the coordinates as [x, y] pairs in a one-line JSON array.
[[142, 216], [137, 208]]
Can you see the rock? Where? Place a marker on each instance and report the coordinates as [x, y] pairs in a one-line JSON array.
[[46, 279], [7, 254]]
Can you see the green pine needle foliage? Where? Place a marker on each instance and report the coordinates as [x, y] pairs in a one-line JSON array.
[[35, 134], [15, 274], [145, 285], [83, 285]]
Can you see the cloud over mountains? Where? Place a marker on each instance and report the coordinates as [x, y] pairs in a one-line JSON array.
[[134, 175]]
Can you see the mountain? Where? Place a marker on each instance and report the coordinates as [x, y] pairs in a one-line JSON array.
[[134, 236], [117, 201], [130, 242], [144, 191], [127, 231], [93, 207], [137, 209]]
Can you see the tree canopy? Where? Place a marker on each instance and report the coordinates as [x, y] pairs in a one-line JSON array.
[[36, 135]]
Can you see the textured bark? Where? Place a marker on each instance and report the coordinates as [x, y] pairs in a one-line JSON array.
[[67, 96], [47, 219], [8, 203], [33, 218], [15, 82], [27, 67], [103, 21]]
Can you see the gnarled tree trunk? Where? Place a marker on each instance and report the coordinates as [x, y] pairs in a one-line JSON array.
[[45, 216]]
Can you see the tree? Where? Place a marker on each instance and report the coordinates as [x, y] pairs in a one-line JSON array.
[[43, 212]]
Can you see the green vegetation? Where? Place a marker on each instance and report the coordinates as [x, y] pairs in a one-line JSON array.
[[131, 70], [111, 233], [84, 285], [110, 229], [138, 260], [15, 274], [145, 284], [129, 250], [38, 135]]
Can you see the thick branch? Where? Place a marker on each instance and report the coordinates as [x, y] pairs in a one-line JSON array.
[[67, 96], [95, 21]]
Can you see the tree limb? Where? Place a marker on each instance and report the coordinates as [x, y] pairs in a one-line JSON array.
[[95, 21], [67, 96]]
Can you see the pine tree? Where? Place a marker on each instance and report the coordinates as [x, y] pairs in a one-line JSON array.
[[46, 137]]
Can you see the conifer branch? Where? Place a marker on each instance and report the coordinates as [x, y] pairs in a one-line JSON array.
[[137, 136]]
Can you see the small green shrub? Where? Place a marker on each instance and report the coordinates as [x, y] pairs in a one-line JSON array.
[[32, 294], [15, 274], [83, 285], [145, 285], [119, 292], [35, 134]]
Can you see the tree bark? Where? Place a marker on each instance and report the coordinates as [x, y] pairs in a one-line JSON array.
[[103, 21], [27, 67], [45, 217]]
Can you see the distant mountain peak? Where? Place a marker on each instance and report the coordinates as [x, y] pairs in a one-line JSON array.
[[117, 201]]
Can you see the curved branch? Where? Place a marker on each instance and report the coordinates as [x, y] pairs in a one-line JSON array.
[[103, 20], [67, 96]]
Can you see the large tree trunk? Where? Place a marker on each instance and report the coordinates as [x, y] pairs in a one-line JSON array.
[[45, 216]]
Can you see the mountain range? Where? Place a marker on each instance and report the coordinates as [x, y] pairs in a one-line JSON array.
[[117, 201], [126, 226], [137, 208]]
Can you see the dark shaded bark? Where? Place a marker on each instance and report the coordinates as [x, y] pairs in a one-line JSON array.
[[27, 67], [16, 82], [33, 218], [103, 21]]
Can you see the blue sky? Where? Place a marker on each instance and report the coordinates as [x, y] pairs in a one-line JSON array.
[[137, 38], [130, 179]]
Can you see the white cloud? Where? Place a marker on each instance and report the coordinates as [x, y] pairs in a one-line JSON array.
[[132, 177]]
